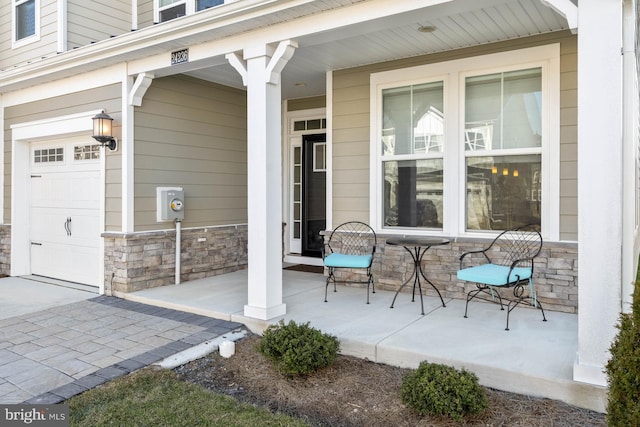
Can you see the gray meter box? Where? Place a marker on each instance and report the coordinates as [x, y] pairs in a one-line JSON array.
[[170, 204]]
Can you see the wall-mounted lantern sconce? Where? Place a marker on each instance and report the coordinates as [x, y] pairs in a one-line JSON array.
[[102, 131]]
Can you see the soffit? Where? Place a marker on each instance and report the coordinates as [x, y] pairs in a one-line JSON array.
[[458, 23]]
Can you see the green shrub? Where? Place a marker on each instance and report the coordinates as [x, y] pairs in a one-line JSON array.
[[298, 349], [623, 369], [441, 390]]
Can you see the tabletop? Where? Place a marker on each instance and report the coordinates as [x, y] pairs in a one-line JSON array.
[[417, 241]]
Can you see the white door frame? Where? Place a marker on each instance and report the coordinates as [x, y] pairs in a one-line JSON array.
[[22, 135], [294, 138]]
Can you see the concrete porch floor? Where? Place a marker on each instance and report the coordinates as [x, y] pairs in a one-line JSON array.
[[533, 358]]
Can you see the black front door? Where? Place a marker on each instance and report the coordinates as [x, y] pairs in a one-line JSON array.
[[314, 185]]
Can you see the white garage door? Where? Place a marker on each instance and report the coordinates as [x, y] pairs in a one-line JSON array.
[[64, 210]]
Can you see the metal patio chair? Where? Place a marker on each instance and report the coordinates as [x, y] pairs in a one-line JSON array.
[[351, 245], [506, 263]]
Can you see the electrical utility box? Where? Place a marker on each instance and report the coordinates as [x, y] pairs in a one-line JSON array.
[[170, 204]]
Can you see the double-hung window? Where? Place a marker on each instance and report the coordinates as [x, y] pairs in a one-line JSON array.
[[25, 20], [412, 153], [467, 146], [171, 9], [503, 149]]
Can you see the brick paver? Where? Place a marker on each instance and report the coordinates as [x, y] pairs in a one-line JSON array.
[[49, 356]]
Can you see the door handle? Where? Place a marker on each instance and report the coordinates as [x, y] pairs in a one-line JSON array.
[[67, 226]]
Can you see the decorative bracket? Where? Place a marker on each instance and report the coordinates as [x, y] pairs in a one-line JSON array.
[[142, 83], [281, 56], [239, 64]]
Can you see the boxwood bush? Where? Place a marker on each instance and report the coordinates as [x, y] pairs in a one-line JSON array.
[[298, 349], [435, 389], [623, 369]]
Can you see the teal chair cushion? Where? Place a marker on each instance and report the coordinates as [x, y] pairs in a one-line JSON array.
[[348, 261], [492, 274]]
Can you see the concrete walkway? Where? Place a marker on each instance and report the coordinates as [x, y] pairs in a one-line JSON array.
[[57, 342], [534, 357]]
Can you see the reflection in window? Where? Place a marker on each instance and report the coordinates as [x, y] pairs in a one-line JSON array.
[[412, 155], [25, 19], [413, 193], [504, 110], [206, 4], [413, 121], [503, 192]]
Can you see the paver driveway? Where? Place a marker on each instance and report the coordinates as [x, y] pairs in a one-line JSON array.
[[55, 353]]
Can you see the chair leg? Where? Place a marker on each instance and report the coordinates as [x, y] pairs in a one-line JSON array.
[[481, 289], [517, 302], [370, 283], [329, 278]]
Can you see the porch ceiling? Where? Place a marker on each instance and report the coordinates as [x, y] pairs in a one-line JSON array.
[[331, 35], [458, 24]]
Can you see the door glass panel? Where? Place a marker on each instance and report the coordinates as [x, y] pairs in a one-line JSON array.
[[297, 191]]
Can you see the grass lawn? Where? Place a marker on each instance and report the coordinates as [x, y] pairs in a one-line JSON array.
[[154, 397]]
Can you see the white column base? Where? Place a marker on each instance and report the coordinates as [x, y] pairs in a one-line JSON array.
[[589, 374], [263, 313]]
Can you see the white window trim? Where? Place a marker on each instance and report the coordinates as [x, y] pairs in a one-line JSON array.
[[548, 58], [190, 8], [30, 39]]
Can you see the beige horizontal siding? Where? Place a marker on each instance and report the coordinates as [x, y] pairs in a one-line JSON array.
[[91, 21], [306, 103], [351, 131], [192, 134], [145, 13], [44, 47]]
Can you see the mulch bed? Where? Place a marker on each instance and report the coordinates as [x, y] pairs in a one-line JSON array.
[[356, 392]]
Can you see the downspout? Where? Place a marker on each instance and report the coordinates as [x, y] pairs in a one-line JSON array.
[[630, 158], [62, 26], [134, 15]]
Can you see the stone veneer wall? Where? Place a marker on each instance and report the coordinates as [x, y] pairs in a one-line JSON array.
[[5, 250], [136, 261], [555, 271]]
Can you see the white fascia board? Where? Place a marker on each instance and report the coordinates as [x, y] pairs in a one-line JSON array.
[[567, 9], [90, 80]]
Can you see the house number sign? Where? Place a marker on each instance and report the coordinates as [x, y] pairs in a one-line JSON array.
[[179, 56]]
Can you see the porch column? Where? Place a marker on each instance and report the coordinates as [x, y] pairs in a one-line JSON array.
[[260, 68], [600, 172]]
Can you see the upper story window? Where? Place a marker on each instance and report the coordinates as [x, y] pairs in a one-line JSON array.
[[26, 17], [467, 146], [171, 9]]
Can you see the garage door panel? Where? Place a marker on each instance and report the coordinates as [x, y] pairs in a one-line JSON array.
[[64, 214], [48, 224]]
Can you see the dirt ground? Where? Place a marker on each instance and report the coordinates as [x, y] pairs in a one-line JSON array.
[[355, 392]]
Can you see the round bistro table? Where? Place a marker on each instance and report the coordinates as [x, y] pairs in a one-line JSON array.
[[417, 247]]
